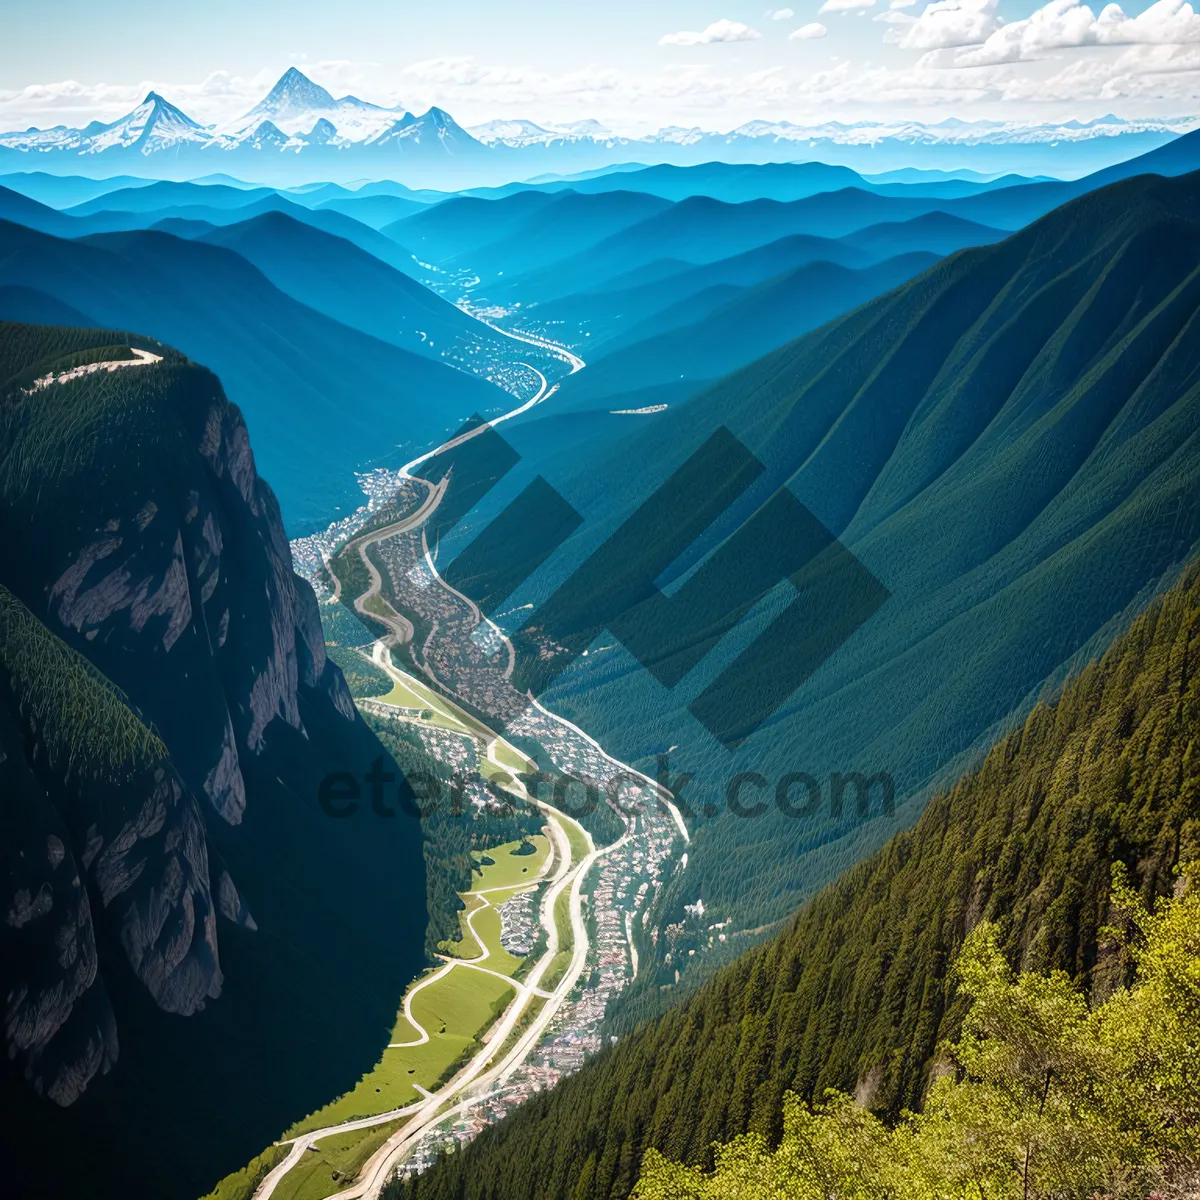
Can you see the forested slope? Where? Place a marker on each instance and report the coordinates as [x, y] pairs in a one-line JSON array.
[[856, 993], [189, 955], [1010, 444]]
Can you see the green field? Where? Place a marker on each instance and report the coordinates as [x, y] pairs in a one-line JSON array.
[[469, 946], [408, 693], [333, 1163], [508, 869], [562, 918], [377, 606], [242, 1184], [577, 839], [487, 925], [511, 758], [403, 1030], [555, 971], [455, 1011]]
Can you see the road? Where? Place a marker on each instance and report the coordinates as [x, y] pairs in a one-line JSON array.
[[432, 1109], [141, 358], [379, 1167], [428, 1110], [542, 392], [576, 751]]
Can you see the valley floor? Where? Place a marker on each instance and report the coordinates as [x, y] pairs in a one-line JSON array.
[[547, 938]]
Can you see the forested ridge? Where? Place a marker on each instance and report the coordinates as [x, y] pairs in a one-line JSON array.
[[1041, 1097], [857, 994], [1009, 444]]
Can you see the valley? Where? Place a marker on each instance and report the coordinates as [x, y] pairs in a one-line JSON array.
[[616, 924], [540, 1015], [687, 602]]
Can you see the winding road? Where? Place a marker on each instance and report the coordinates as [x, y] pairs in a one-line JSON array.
[[566, 874]]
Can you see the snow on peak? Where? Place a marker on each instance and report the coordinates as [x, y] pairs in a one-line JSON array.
[[303, 109], [155, 124], [528, 133], [294, 92]]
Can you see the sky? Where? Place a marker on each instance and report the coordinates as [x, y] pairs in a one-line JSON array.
[[634, 66]]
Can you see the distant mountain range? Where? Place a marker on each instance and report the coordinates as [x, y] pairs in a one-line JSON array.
[[299, 131]]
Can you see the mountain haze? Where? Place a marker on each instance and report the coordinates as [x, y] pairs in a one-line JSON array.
[[321, 399], [1010, 444]]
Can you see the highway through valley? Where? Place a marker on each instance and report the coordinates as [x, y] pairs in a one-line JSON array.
[[554, 1018]]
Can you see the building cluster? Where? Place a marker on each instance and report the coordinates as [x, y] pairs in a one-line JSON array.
[[518, 923], [459, 650], [624, 880]]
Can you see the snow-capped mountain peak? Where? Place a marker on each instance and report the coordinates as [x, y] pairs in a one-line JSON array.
[[294, 93], [433, 129], [303, 110], [155, 124]]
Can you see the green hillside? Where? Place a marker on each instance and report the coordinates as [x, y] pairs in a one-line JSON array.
[[1041, 1097], [857, 993], [1011, 445]]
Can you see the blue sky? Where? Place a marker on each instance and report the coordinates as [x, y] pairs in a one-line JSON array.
[[634, 66]]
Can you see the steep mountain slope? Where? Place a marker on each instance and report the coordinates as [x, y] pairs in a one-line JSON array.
[[1010, 444], [856, 993], [463, 223], [165, 194], [335, 277], [731, 182], [434, 135], [154, 126], [29, 306], [1178, 157], [63, 191], [738, 182], [298, 106], [183, 227], [376, 211], [622, 304], [167, 714], [217, 205], [25, 211], [702, 231], [521, 232], [722, 328], [567, 226], [321, 399], [936, 232]]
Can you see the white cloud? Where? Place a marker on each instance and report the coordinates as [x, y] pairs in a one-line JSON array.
[[807, 32], [1163, 74], [719, 31], [1067, 24], [217, 97], [780, 14], [947, 23]]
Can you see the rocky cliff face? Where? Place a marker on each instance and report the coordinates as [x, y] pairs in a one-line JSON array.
[[162, 679]]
